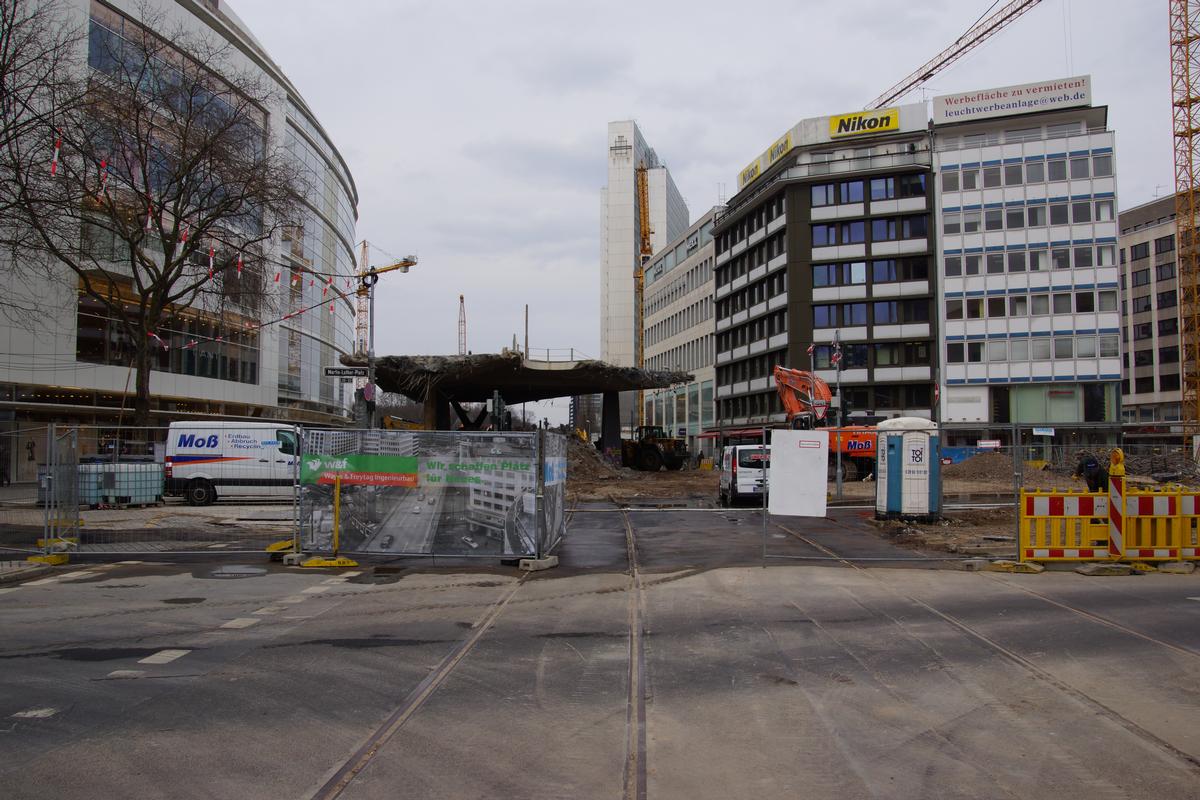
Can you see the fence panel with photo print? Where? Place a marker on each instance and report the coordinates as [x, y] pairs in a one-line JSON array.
[[470, 494]]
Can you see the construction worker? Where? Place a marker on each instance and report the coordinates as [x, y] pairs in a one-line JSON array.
[[1092, 471]]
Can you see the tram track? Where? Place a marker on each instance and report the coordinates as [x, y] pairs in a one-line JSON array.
[[1044, 675]]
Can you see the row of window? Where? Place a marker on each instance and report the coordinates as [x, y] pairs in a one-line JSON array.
[[914, 226], [752, 258], [1052, 169], [1012, 218], [761, 217], [885, 270], [1141, 277], [687, 356], [1166, 383], [1081, 256], [761, 328], [1163, 244], [829, 194], [700, 275], [1141, 304], [752, 295], [749, 369], [1040, 348], [887, 312], [1145, 357], [680, 321], [1144, 330], [1036, 305], [888, 354]]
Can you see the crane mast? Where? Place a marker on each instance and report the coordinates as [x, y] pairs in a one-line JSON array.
[[362, 312], [1185, 109], [976, 35], [645, 250], [462, 326]]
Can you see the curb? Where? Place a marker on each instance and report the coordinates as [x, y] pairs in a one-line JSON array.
[[24, 573]]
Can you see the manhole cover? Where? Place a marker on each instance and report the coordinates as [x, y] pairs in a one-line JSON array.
[[237, 571]]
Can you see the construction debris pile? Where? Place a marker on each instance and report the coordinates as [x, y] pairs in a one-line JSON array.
[[995, 468], [586, 463]]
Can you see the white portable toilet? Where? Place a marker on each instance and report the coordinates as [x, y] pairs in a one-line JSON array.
[[908, 472]]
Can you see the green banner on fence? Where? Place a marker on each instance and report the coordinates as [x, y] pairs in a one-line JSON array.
[[362, 470]]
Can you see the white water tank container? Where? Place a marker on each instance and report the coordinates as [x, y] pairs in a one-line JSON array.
[[908, 472]]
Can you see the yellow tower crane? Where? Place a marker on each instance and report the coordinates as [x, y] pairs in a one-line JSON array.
[[645, 250], [1185, 108]]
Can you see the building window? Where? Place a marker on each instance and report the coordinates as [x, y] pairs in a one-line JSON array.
[[1085, 302], [970, 179], [1101, 166], [1036, 216], [993, 219], [854, 232], [953, 266], [1060, 258], [887, 313], [1164, 271], [971, 220], [1108, 301], [1080, 168], [1168, 355], [1057, 169], [1142, 330], [995, 263], [1167, 299], [949, 181], [996, 307], [1109, 346], [1104, 211], [1168, 383], [952, 222], [1018, 350], [955, 353], [1137, 251], [1064, 347], [1035, 172], [954, 309], [1016, 261], [854, 314], [1168, 327], [1039, 305], [1081, 212], [991, 177], [1062, 304], [974, 307], [825, 316], [1141, 304], [1058, 214], [1018, 306], [1164, 244], [824, 235], [1012, 174], [1140, 277], [997, 350], [1143, 358], [1083, 257], [1014, 218]]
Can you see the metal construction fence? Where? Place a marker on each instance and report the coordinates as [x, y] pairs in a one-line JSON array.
[[439, 493]]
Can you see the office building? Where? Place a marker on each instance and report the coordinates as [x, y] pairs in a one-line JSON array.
[[1027, 269], [1151, 384], [827, 244], [73, 365], [679, 333], [620, 240]]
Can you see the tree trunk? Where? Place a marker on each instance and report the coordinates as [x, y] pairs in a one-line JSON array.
[[141, 398]]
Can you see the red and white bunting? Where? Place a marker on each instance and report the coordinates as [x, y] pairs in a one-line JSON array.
[[331, 308], [211, 253], [57, 148], [277, 274], [149, 210], [239, 266], [324, 291], [103, 174], [183, 236]]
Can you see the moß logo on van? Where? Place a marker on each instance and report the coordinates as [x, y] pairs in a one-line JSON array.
[[192, 440], [861, 122]]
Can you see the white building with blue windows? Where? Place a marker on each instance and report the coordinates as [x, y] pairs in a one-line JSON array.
[[1027, 263]]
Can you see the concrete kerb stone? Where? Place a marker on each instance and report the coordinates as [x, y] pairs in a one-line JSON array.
[[538, 564], [1102, 569], [1177, 567], [974, 564], [23, 572]]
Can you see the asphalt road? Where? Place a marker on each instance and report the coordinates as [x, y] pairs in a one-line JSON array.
[[661, 660]]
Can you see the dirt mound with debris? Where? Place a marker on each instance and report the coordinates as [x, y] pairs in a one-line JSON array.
[[996, 468], [586, 463], [969, 532]]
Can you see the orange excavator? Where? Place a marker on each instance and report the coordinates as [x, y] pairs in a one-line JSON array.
[[806, 399]]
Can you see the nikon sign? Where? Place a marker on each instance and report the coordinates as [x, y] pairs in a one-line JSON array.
[[862, 122]]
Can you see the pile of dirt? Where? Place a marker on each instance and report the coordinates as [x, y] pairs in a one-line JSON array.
[[1168, 467], [996, 468], [586, 463]]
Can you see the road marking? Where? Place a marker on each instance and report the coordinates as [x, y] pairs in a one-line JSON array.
[[333, 581], [163, 656], [215, 546], [125, 673], [270, 610], [42, 581], [1197, 599], [10, 589], [35, 713], [77, 574], [242, 622], [315, 589], [131, 562], [296, 598], [352, 574]]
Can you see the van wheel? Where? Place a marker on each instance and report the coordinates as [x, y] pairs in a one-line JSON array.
[[200, 493]]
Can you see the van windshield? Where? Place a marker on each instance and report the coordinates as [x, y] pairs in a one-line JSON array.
[[754, 459]]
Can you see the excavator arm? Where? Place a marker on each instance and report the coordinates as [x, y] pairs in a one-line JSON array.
[[805, 397]]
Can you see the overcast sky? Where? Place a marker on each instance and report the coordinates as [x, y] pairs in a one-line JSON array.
[[475, 130]]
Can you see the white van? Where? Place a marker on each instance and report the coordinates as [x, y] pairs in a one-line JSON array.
[[205, 460], [744, 470]]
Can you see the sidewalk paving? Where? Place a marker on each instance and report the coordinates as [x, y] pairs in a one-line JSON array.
[[12, 571]]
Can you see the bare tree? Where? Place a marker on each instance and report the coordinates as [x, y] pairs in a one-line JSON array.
[[157, 192], [39, 44]]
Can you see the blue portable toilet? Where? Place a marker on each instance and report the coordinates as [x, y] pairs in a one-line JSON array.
[[908, 470]]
